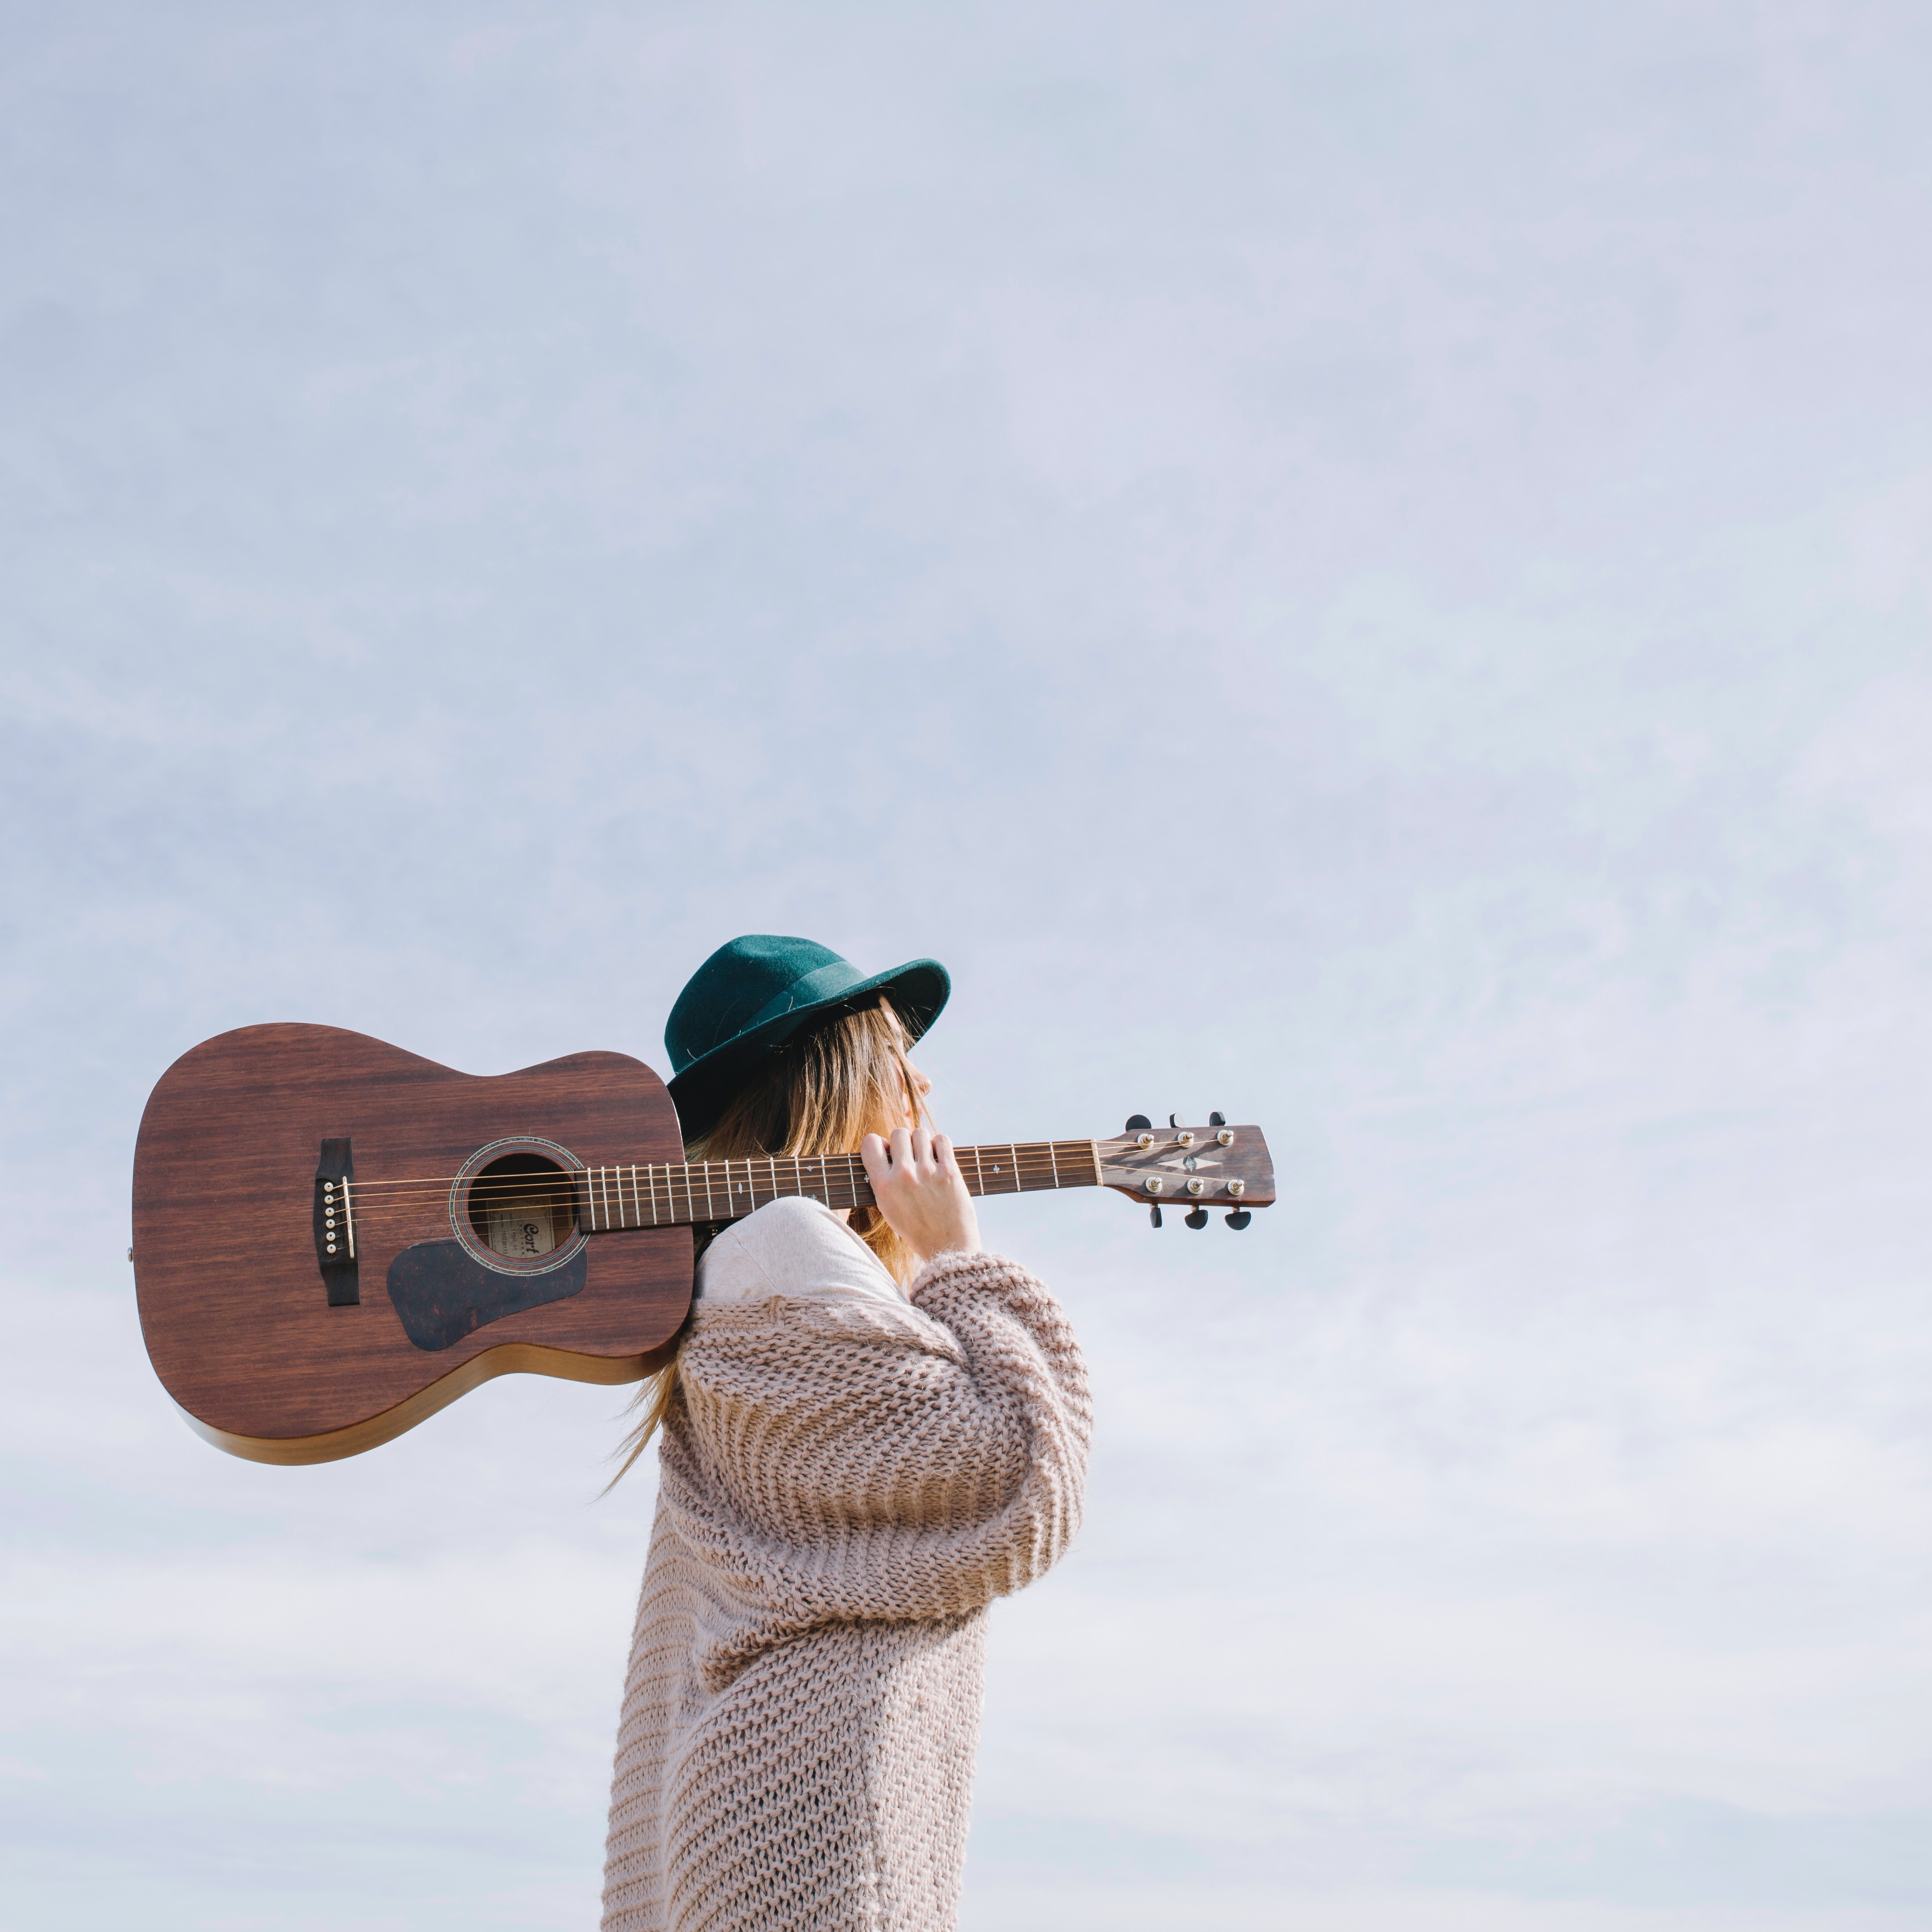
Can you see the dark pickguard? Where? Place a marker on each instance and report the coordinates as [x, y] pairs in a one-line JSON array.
[[443, 1294]]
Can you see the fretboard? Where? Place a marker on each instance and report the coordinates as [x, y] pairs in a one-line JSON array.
[[611, 1197]]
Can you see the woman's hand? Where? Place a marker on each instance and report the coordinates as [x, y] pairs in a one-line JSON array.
[[916, 1181]]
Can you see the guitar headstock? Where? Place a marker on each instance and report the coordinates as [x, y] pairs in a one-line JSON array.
[[1196, 1168]]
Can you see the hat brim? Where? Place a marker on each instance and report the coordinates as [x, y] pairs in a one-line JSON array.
[[918, 991]]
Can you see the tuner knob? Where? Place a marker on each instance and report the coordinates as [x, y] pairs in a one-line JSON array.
[[1137, 1120], [1239, 1219], [1217, 1119], [1175, 1120], [1153, 1214], [1199, 1218]]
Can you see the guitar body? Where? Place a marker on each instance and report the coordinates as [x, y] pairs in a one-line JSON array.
[[281, 1347]]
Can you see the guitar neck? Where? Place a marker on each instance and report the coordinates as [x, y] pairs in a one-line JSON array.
[[612, 1197]]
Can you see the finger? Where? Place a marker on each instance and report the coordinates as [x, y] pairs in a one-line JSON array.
[[901, 1147], [921, 1148], [942, 1154], [872, 1152]]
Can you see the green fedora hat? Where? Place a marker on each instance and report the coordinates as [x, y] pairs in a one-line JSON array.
[[757, 992]]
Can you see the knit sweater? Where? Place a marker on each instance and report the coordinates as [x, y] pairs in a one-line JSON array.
[[844, 1486]]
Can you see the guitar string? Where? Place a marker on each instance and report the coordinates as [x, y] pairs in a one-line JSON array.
[[1023, 1152], [757, 1183], [1037, 1174], [629, 1209], [672, 1197], [635, 1214], [535, 1183], [1037, 1170], [660, 1197]]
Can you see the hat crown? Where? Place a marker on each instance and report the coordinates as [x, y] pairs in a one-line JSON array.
[[747, 979]]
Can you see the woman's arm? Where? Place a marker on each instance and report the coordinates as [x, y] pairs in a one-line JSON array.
[[838, 1465]]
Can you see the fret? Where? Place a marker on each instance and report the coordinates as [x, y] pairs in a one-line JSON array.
[[1053, 1162], [650, 1181], [797, 1176], [978, 1170], [1016, 1153], [710, 1206], [636, 1207]]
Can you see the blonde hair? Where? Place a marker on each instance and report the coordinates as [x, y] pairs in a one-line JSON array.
[[821, 1094]]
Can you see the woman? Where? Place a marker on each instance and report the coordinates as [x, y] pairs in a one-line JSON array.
[[871, 1428]]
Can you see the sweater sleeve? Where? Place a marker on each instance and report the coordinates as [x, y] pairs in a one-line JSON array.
[[835, 1463]]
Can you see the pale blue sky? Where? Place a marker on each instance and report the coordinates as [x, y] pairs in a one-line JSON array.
[[1368, 567]]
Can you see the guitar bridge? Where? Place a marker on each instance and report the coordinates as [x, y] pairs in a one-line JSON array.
[[335, 1224]]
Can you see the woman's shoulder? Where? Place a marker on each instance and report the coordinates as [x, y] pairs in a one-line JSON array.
[[795, 1246]]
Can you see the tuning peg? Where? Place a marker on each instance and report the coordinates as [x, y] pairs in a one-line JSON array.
[[1217, 1119], [1239, 1219], [1199, 1218], [1135, 1121], [1153, 1214], [1175, 1120]]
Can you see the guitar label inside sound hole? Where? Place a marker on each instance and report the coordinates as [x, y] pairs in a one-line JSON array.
[[522, 1206], [522, 1229]]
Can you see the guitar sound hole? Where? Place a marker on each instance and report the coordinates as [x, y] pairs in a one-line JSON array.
[[522, 1206]]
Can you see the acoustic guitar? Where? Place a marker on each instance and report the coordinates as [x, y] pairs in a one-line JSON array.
[[334, 1239]]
